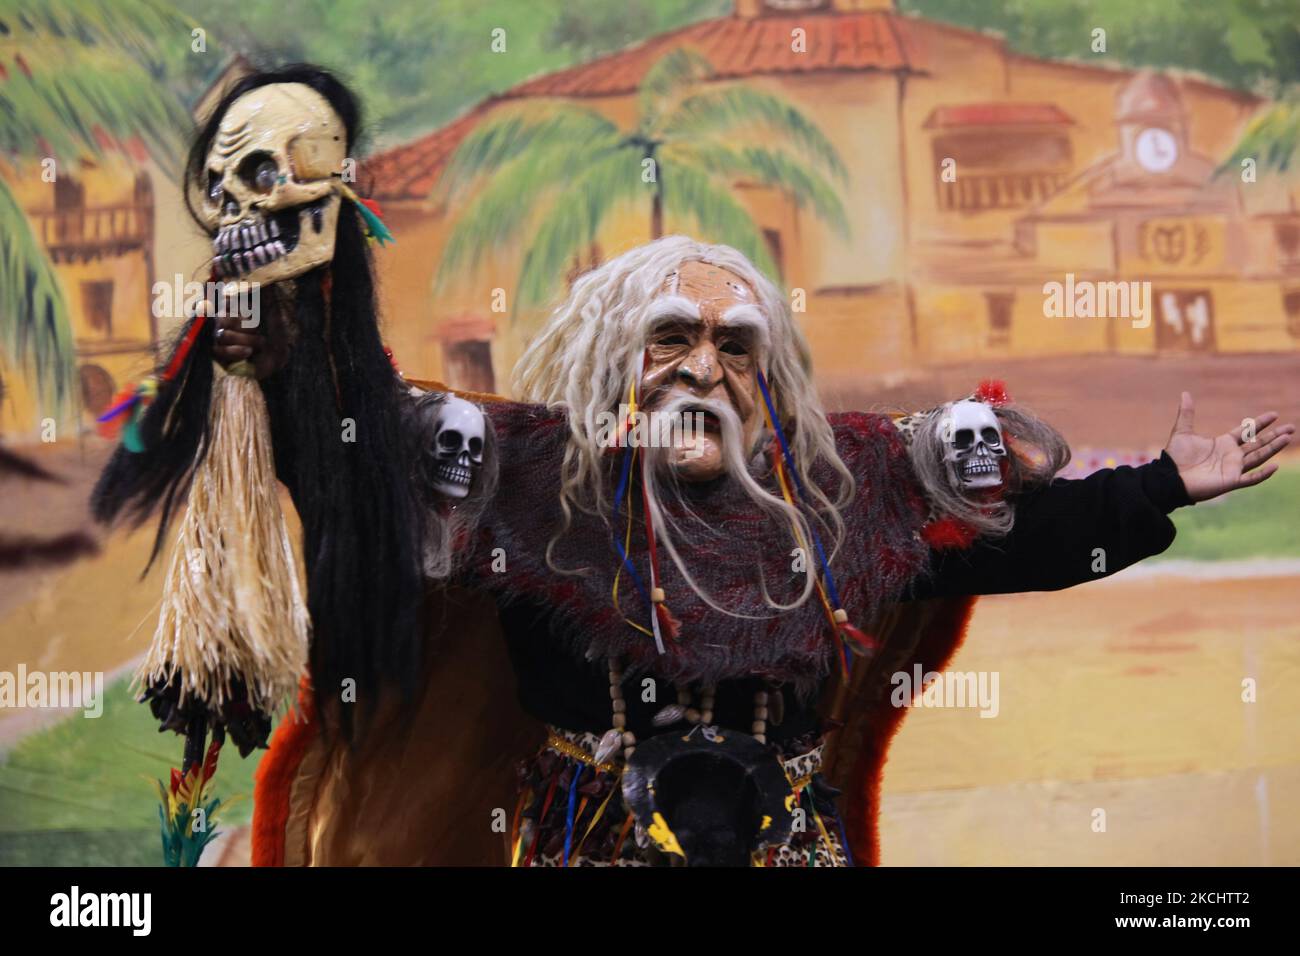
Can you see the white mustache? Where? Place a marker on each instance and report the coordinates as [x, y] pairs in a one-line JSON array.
[[685, 404], [684, 407]]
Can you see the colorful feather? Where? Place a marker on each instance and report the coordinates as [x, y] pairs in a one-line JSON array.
[[370, 214]]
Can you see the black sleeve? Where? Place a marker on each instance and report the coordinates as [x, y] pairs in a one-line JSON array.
[[1058, 529]]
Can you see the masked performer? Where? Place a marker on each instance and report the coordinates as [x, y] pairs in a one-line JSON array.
[[706, 624], [264, 181]]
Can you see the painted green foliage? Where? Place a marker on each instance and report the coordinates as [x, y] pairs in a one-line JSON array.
[[557, 172], [70, 70], [417, 63]]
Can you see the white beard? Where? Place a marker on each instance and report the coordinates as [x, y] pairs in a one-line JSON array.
[[739, 465]]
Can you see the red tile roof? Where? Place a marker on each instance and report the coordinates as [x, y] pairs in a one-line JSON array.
[[740, 47], [409, 172], [997, 114], [874, 40]]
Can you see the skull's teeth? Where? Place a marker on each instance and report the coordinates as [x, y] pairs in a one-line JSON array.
[[454, 474], [241, 247], [980, 466]]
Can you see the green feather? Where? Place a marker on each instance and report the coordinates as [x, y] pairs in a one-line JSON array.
[[375, 227]]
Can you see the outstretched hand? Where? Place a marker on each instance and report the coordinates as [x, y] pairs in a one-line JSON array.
[[1211, 467]]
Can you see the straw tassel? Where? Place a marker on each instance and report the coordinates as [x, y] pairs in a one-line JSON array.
[[232, 605]]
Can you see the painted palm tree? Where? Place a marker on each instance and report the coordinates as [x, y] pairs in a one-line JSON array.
[[1272, 139], [70, 72], [558, 172]]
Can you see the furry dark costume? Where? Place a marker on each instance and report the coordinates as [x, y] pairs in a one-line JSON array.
[[733, 550], [458, 748]]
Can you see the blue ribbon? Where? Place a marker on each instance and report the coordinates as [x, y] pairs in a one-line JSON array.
[[568, 819], [618, 545], [827, 578]]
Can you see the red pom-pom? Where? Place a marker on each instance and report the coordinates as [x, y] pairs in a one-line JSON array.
[[947, 534], [392, 360], [993, 391]]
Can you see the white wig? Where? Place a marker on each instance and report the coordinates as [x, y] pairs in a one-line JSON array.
[[591, 351]]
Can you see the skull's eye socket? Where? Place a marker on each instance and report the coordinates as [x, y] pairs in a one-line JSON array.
[[215, 185], [259, 171], [991, 436], [476, 446], [449, 440], [963, 438]]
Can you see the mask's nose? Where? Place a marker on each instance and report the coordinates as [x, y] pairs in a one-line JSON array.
[[700, 370]]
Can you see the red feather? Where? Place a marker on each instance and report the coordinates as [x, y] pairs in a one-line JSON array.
[[113, 427], [667, 623], [993, 391], [859, 638], [948, 533], [210, 761], [183, 349]]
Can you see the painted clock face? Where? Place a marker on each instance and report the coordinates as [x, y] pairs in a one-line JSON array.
[[1157, 150]]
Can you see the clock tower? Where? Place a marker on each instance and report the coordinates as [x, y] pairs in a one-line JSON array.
[[1152, 127]]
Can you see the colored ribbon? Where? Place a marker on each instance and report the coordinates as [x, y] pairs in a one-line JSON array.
[[830, 596], [569, 814]]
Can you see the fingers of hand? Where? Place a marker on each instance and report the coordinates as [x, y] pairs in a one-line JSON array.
[[1186, 414], [1259, 421], [1268, 444], [1255, 477], [228, 324], [234, 345]]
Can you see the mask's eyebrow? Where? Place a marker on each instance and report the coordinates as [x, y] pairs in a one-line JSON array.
[[671, 308], [749, 317]]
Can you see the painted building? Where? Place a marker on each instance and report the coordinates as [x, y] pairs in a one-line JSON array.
[[976, 176], [95, 221]]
